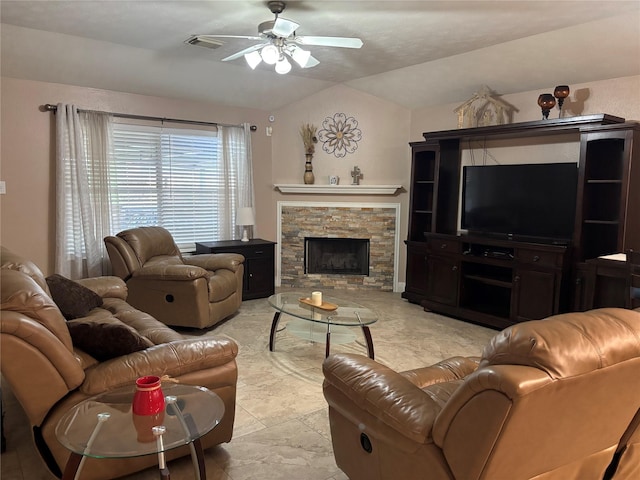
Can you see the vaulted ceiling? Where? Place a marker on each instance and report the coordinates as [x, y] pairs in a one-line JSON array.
[[415, 53]]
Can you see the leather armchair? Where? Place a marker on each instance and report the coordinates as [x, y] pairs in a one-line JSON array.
[[48, 374], [192, 291], [549, 399]]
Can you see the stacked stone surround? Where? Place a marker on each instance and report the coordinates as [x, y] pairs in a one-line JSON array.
[[326, 220]]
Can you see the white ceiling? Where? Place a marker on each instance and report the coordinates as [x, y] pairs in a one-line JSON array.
[[415, 53]]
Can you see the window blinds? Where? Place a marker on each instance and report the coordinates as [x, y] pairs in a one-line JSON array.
[[167, 177]]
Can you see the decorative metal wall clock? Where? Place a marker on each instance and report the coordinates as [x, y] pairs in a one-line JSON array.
[[340, 135]]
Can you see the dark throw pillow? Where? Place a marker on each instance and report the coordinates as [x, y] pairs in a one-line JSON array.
[[73, 300], [106, 338]]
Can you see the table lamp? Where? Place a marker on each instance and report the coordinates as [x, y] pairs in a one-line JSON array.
[[245, 218]]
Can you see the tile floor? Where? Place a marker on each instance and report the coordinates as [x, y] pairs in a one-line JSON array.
[[281, 426]]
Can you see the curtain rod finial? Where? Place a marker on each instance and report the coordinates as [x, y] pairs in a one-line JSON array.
[[47, 107]]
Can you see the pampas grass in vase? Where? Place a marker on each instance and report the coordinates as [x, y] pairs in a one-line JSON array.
[[309, 140]]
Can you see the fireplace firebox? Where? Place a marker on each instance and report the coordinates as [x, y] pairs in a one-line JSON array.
[[340, 256]]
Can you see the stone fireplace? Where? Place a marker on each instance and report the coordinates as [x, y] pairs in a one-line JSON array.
[[358, 245]]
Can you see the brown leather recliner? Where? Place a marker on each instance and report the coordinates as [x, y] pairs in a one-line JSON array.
[[48, 374], [550, 399], [191, 291]]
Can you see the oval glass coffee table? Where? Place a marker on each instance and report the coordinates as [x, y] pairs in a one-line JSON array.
[[104, 427], [346, 314]]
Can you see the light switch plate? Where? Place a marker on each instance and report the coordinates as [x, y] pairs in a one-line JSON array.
[[3, 187]]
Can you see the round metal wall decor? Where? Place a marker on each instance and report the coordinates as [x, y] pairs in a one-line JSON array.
[[339, 135]]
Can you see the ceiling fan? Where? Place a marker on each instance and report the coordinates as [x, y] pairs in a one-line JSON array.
[[278, 40]]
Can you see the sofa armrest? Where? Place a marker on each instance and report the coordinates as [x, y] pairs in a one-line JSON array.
[[383, 393], [106, 287], [171, 272], [448, 370], [32, 356], [173, 359], [216, 261]]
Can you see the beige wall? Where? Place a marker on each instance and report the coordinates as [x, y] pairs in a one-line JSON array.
[[383, 154], [618, 96], [28, 153], [27, 145]]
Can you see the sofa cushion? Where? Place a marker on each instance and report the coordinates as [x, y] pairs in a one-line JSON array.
[[573, 344], [106, 338], [148, 242], [222, 284], [73, 300]]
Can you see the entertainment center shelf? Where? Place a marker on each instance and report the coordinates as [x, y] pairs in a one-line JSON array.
[[498, 281]]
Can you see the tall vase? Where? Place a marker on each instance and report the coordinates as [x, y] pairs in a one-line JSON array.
[[308, 170]]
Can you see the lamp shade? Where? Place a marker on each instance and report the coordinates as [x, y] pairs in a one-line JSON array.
[[283, 66], [270, 54], [301, 56], [245, 216], [253, 59]]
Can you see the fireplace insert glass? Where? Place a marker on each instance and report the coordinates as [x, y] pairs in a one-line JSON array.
[[341, 256]]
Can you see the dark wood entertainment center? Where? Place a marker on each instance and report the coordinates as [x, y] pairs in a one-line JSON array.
[[500, 281]]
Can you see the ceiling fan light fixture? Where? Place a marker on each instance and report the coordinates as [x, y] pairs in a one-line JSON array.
[[270, 54], [301, 56], [253, 59], [283, 66]]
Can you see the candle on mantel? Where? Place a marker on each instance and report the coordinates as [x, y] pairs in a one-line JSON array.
[[316, 298]]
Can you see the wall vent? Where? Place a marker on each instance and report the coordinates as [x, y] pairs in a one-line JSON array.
[[199, 41]]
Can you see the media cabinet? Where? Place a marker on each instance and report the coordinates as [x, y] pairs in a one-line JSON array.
[[500, 281]]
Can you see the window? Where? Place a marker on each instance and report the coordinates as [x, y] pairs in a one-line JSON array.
[[173, 178]]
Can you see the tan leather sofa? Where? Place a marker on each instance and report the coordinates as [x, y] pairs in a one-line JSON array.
[[49, 374], [191, 291], [552, 399]]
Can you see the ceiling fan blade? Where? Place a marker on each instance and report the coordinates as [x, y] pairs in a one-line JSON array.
[[243, 52], [312, 62], [246, 37], [343, 42], [283, 27]]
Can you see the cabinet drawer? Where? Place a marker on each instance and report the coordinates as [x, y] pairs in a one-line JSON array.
[[538, 257], [443, 245]]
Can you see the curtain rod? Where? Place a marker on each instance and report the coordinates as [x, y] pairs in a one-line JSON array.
[[48, 107]]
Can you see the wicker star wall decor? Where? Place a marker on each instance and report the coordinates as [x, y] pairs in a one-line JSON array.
[[339, 135]]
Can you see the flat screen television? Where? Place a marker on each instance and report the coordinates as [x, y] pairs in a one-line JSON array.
[[523, 201]]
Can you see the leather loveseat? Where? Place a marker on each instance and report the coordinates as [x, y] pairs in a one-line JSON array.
[[191, 291], [49, 373], [553, 399]]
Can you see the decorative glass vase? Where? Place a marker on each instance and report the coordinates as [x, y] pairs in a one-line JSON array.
[[308, 170]]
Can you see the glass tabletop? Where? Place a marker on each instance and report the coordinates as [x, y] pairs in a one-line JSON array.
[[347, 313], [105, 427]]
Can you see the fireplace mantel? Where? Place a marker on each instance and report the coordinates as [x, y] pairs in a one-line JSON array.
[[339, 189]]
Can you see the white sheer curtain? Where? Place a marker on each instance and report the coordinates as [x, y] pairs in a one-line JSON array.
[[82, 194], [235, 151]]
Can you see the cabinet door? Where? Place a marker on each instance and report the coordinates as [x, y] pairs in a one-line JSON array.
[[416, 270], [259, 275], [534, 295], [443, 276]]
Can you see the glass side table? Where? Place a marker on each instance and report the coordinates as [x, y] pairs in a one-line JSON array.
[[345, 314], [103, 427]]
